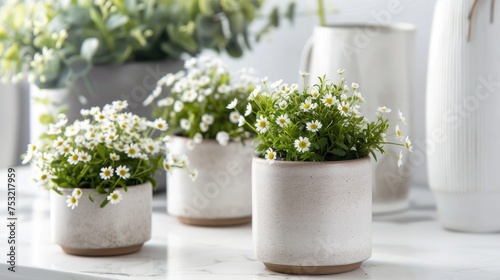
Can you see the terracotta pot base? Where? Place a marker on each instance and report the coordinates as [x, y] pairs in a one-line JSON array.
[[214, 222], [102, 252], [312, 270]]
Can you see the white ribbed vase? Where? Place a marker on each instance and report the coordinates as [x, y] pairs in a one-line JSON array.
[[463, 98]]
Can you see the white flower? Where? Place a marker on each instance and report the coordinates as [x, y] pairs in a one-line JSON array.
[[222, 137], [165, 102], [84, 156], [314, 93], [119, 105], [276, 84], [329, 100], [400, 158], [43, 178], [198, 138], [160, 124], [77, 193], [302, 144], [308, 105], [399, 134], [234, 117], [151, 146], [85, 112], [262, 124], [270, 156], [203, 127], [185, 124], [167, 164], [71, 201], [304, 74], [74, 158], [178, 106], [383, 109], [354, 86], [190, 62], [190, 144], [248, 110], [193, 174], [123, 172], [132, 150], [359, 97], [313, 126], [64, 149], [340, 71], [282, 104], [408, 144], [106, 173], [264, 80], [344, 108], [29, 155], [283, 120], [208, 119], [115, 197], [114, 157], [233, 104], [401, 118], [189, 96]]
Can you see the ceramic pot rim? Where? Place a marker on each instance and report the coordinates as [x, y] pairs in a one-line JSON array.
[[136, 63], [391, 27], [311, 163], [213, 141], [85, 190]]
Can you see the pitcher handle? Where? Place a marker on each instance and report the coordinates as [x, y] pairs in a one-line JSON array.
[[305, 57]]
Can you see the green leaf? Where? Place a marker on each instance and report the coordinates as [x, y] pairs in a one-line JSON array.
[[115, 21], [101, 150], [153, 182], [338, 152], [89, 48], [45, 119], [106, 201]]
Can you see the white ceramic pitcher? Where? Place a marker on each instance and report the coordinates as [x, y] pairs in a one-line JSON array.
[[381, 60]]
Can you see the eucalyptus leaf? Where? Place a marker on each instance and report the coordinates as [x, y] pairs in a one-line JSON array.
[[89, 48]]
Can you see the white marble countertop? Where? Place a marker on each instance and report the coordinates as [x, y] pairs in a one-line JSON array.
[[407, 245]]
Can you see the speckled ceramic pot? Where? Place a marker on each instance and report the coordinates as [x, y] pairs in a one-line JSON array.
[[89, 230], [312, 218], [222, 193]]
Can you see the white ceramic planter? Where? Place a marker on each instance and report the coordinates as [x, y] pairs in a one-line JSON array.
[[381, 60], [9, 114], [312, 218], [463, 98], [89, 230], [44, 102], [222, 194]]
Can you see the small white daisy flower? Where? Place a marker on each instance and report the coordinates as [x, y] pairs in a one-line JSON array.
[[276, 84], [166, 102], [71, 201], [106, 173], [123, 172], [354, 86], [204, 127], [77, 193], [329, 100], [304, 74], [340, 71], [29, 155], [115, 197], [262, 124], [84, 156], [400, 158], [178, 106], [248, 110], [399, 134], [344, 108], [190, 144], [359, 97], [151, 147], [233, 104], [408, 144], [114, 157], [132, 150], [308, 105], [383, 109], [401, 118], [241, 121], [222, 137], [283, 120], [74, 158], [270, 156], [302, 144], [185, 124], [283, 104], [160, 124], [313, 126], [234, 117], [193, 174], [208, 119], [198, 138]]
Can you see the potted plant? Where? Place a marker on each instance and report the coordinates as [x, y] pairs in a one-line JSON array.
[[312, 178], [379, 55], [100, 171], [195, 103]]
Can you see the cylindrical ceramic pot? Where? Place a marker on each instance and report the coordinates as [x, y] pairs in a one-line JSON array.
[[222, 193], [380, 58], [463, 97], [89, 230], [312, 217], [45, 105]]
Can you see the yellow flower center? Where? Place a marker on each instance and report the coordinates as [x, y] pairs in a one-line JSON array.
[[302, 144], [74, 157], [167, 166], [66, 149], [123, 172], [262, 124], [107, 173], [314, 126], [78, 192], [307, 105], [345, 109], [271, 156], [73, 200], [132, 151], [101, 117], [407, 145], [59, 143], [329, 100], [43, 177], [160, 125], [114, 196], [399, 133]]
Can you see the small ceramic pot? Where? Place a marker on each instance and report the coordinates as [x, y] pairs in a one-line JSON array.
[[222, 193], [89, 230], [312, 217]]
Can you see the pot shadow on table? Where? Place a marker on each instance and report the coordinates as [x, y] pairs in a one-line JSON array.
[[359, 273], [417, 212]]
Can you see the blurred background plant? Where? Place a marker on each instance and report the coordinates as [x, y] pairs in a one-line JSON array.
[[56, 42]]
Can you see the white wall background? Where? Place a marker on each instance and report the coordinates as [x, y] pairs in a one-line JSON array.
[[278, 55]]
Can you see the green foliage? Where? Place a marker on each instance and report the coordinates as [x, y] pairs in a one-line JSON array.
[[319, 123]]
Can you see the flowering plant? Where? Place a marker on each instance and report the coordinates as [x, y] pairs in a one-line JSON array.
[[108, 150], [320, 123], [198, 98]]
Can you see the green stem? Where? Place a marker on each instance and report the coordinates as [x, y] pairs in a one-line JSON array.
[[321, 13]]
